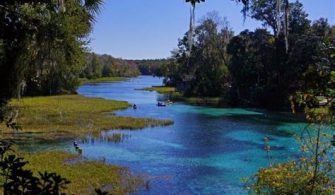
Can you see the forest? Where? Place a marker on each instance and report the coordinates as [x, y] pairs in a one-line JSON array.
[[254, 68], [98, 66]]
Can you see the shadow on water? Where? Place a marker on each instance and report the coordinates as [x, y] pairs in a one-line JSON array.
[[206, 151]]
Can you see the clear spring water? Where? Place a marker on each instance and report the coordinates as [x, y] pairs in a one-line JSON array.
[[207, 151]]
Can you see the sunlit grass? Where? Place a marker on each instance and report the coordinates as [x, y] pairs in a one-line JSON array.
[[177, 96], [209, 101], [161, 89], [85, 176], [101, 80], [58, 117]]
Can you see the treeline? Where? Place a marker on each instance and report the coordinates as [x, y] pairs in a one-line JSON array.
[[43, 48], [254, 68], [151, 66], [107, 66], [97, 66]]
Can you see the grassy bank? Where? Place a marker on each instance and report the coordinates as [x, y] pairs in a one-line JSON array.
[[56, 118], [85, 176], [60, 117], [174, 95], [161, 89], [206, 101], [101, 80]]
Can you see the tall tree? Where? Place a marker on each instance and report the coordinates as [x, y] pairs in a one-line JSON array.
[[30, 29], [204, 72]]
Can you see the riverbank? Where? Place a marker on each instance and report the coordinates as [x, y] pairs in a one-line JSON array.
[[161, 89], [83, 81], [84, 176], [69, 117], [174, 95], [73, 116]]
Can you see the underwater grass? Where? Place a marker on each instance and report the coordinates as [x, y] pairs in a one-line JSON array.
[[85, 176], [69, 116]]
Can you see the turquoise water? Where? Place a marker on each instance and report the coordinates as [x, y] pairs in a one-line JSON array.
[[207, 151]]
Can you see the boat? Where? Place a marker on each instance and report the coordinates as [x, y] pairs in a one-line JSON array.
[[161, 104]]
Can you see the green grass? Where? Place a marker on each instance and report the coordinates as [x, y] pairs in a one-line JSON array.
[[84, 176], [70, 116], [161, 89], [177, 96], [101, 80], [209, 101]]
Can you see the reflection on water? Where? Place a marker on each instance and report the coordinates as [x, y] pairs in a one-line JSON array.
[[207, 150], [105, 137]]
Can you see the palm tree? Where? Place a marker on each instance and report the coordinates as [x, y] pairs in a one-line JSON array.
[[192, 18]]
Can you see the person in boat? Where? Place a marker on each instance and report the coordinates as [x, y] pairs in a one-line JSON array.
[[75, 144], [134, 106], [160, 104]]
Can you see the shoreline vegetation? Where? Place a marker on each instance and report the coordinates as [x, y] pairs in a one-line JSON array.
[[73, 116], [174, 95], [68, 117], [85, 175], [83, 81]]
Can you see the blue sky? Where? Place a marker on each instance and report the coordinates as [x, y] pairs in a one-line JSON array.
[[145, 29]]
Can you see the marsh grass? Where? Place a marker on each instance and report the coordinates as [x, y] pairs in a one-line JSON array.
[[203, 101], [69, 116], [161, 89], [85, 176], [174, 95], [101, 80]]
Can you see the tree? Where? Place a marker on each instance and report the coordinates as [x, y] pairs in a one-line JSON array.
[[313, 171], [202, 69], [18, 180], [251, 67], [40, 37]]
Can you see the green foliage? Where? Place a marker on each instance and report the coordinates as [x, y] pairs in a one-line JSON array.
[[313, 172], [204, 71], [290, 178], [42, 45], [19, 180], [70, 116], [85, 175], [152, 67], [98, 66], [101, 80], [251, 66], [161, 89]]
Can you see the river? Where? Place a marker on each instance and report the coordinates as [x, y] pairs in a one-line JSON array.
[[207, 150]]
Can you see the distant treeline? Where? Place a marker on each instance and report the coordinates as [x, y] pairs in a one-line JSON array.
[[152, 66], [107, 66]]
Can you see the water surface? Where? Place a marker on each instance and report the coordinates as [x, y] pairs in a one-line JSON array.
[[207, 151]]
